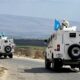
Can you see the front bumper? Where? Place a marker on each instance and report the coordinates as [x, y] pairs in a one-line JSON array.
[[67, 62], [2, 54]]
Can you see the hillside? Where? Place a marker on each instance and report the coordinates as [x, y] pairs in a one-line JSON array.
[[27, 27], [29, 42]]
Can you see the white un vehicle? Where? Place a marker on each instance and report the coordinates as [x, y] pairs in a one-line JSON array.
[[63, 48], [6, 47]]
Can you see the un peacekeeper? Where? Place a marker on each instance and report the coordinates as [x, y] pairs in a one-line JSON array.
[[65, 24]]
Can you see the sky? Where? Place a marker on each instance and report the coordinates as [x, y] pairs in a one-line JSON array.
[[61, 9]]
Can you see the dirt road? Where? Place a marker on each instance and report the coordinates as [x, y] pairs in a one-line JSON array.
[[29, 69]]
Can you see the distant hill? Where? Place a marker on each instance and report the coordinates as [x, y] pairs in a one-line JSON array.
[[27, 27], [29, 42]]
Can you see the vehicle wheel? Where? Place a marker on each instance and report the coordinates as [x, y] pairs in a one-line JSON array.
[[5, 56], [7, 49], [56, 64], [11, 56], [53, 65], [74, 51], [47, 63], [0, 56]]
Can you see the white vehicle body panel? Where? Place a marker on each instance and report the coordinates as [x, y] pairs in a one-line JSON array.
[[4, 41], [62, 37]]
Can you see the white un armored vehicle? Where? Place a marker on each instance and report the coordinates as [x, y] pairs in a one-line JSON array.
[[6, 47], [63, 48]]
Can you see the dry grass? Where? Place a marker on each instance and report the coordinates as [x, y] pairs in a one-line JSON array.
[[2, 71], [30, 51]]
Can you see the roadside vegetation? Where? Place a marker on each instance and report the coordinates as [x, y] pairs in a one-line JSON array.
[[35, 52]]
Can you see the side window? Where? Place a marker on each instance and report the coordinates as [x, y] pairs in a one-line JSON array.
[[49, 40], [0, 37], [52, 36]]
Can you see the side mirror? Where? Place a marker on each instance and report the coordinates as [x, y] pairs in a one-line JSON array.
[[45, 41]]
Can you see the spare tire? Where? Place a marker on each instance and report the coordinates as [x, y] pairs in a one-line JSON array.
[[7, 49], [74, 51]]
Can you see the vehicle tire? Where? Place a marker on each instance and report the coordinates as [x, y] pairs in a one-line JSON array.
[[0, 56], [11, 56], [7, 49], [5, 56], [56, 64], [74, 51], [53, 65], [47, 63]]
